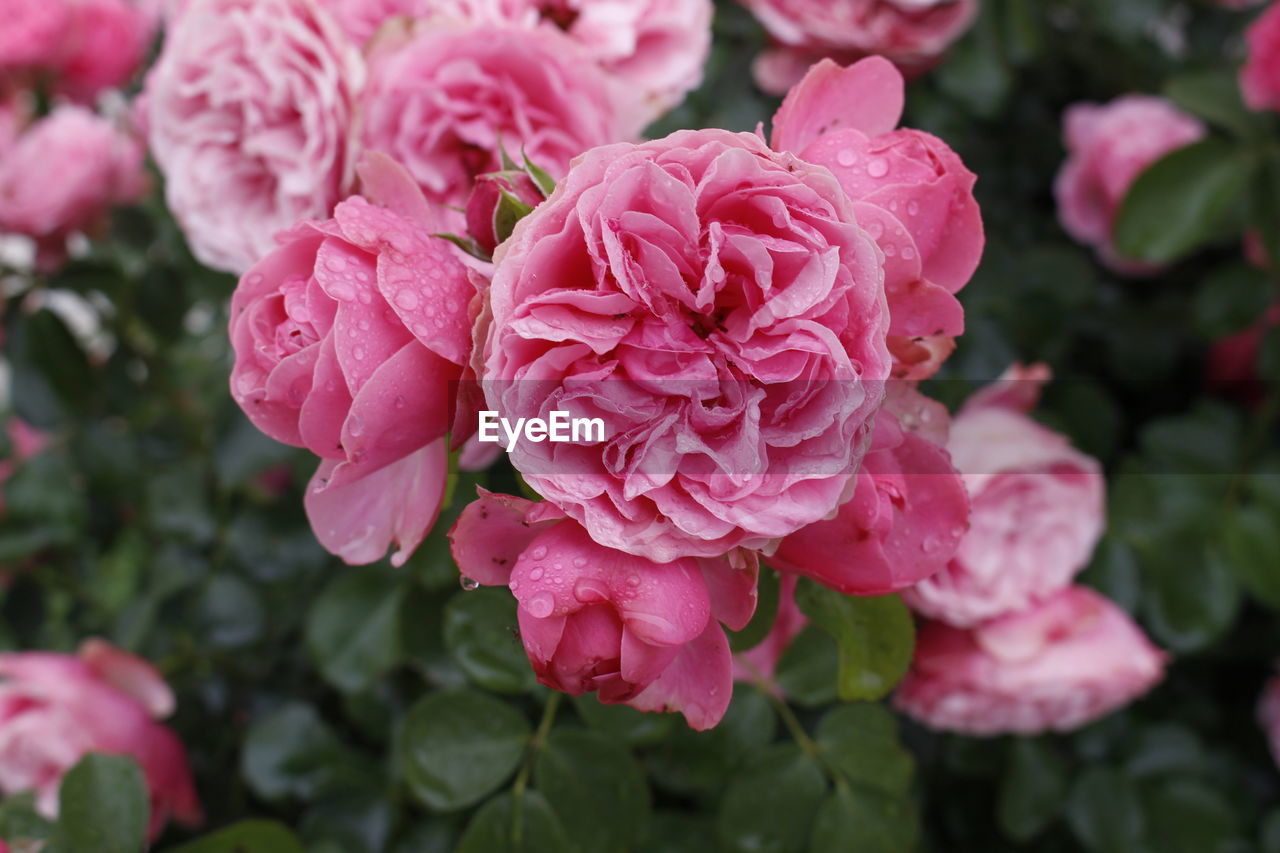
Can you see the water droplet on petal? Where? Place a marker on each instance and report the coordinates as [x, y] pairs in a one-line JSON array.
[[878, 168], [846, 158], [908, 253], [913, 207], [536, 574], [579, 562], [407, 299], [539, 552], [468, 584], [541, 605]]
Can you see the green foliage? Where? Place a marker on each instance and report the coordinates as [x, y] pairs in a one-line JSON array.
[[102, 807]]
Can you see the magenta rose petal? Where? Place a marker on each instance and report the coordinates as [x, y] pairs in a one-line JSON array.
[[698, 683], [490, 534]]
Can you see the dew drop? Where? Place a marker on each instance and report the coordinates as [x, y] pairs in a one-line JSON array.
[[846, 158], [890, 250], [407, 299], [468, 584], [399, 401], [579, 562], [633, 581], [913, 207], [539, 552], [541, 605], [875, 229], [878, 168], [355, 425], [908, 253], [536, 574]]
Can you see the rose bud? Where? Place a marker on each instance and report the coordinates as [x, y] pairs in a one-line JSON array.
[[489, 221]]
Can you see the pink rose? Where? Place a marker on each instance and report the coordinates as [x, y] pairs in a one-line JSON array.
[[1055, 666], [242, 159], [33, 33], [1108, 146], [1037, 508], [716, 305], [1269, 715], [907, 514], [106, 43], [56, 708], [911, 192], [468, 86], [593, 619], [656, 49], [1232, 363], [347, 338], [758, 664], [63, 173], [911, 33], [1260, 76]]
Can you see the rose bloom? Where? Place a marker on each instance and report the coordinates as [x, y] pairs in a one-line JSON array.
[[243, 159], [1269, 715], [56, 708], [1260, 76], [911, 33], [911, 193], [347, 338], [106, 43], [33, 35], [1037, 508], [1055, 666], [1108, 146], [907, 514], [593, 619], [63, 173], [717, 306], [440, 97]]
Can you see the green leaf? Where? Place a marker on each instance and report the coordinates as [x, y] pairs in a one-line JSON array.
[[766, 613], [292, 753], [1177, 204], [623, 723], [861, 743], [1264, 207], [20, 820], [875, 637], [540, 177], [458, 746], [507, 825], [509, 211], [595, 787], [231, 613], [769, 807], [51, 373], [1031, 789], [481, 632], [353, 629], [1163, 749], [806, 671], [1252, 548], [1215, 97], [247, 836], [1230, 299], [865, 821], [1104, 812], [1186, 617], [1188, 816], [701, 763], [102, 807]]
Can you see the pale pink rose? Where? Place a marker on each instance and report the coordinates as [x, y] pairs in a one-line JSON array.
[[593, 619], [907, 514], [1037, 508], [362, 19], [56, 708], [758, 664], [64, 172], [33, 33], [1108, 146], [656, 49], [911, 193], [1052, 667], [249, 112], [1260, 76], [911, 33], [347, 339], [466, 87], [106, 43], [717, 306], [1269, 715]]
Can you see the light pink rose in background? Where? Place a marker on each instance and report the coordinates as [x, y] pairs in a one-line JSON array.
[[56, 708], [717, 306], [1108, 146], [911, 33], [440, 99], [1053, 667], [593, 619], [347, 339], [63, 173], [243, 160], [911, 193], [1037, 508], [106, 42], [907, 514], [1269, 715], [758, 664], [1260, 76], [33, 33]]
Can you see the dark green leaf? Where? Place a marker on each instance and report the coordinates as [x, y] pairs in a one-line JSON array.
[[595, 787], [769, 807], [481, 632], [806, 673], [1104, 812], [459, 745], [292, 753], [621, 722], [353, 629], [690, 762], [875, 637], [1186, 816], [1215, 97], [866, 821], [1252, 540], [861, 743], [247, 836], [506, 824], [102, 807], [19, 819], [1032, 789]]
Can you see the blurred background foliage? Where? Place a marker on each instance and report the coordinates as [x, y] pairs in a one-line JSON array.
[[332, 709]]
